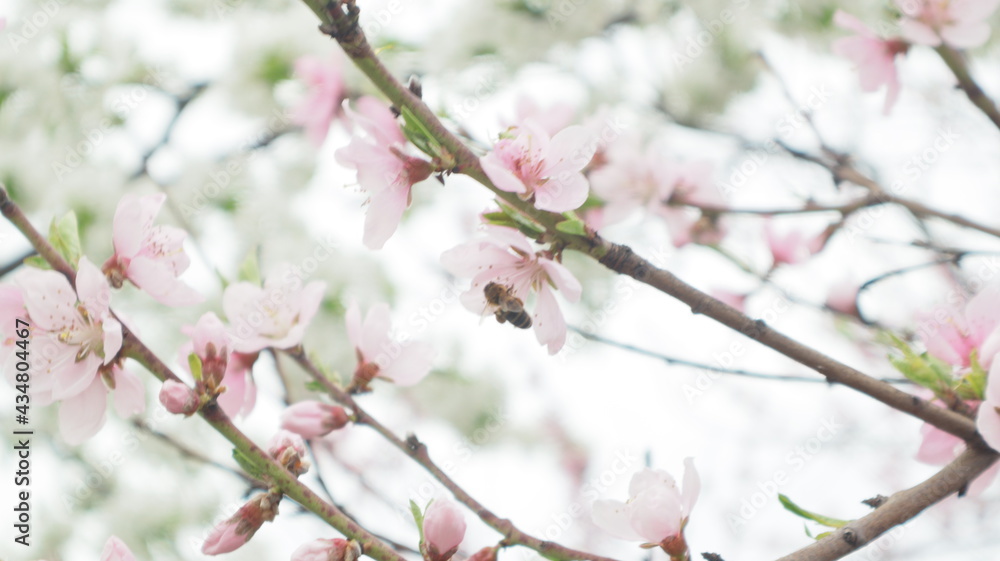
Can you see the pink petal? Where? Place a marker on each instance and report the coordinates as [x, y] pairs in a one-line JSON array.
[[411, 365], [613, 518], [444, 525], [569, 151], [851, 22], [550, 327], [92, 289], [116, 550], [129, 394], [81, 416], [563, 192], [224, 539], [649, 479], [70, 376], [133, 217], [966, 36], [156, 278], [656, 514], [564, 280], [375, 332], [384, 215], [937, 446], [352, 317], [691, 487], [503, 178], [918, 32], [241, 394], [112, 338], [49, 299]]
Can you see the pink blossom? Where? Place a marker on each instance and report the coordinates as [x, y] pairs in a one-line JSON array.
[[177, 398], [506, 257], [326, 92], [874, 57], [657, 509], [116, 550], [335, 549], [75, 340], [444, 529], [960, 23], [210, 342], [379, 355], [527, 162], [313, 419], [152, 257], [276, 315], [988, 417], [952, 336], [384, 168]]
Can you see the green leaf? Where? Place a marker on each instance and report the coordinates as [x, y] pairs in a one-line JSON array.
[[801, 512], [194, 364], [418, 517], [64, 235], [527, 227], [250, 270], [421, 136], [38, 262], [926, 370], [247, 464], [573, 226], [973, 384]]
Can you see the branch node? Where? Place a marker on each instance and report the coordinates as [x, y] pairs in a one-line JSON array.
[[850, 536]]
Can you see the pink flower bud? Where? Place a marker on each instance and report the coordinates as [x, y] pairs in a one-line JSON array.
[[238, 529], [289, 449], [444, 528], [328, 550], [312, 419], [178, 398], [116, 550]]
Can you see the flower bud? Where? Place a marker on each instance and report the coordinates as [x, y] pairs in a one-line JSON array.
[[328, 550], [239, 528], [178, 398], [289, 450], [312, 419], [444, 528]]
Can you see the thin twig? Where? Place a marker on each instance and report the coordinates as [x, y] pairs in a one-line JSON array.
[[713, 368]]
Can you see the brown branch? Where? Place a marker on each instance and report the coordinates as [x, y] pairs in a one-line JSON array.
[[416, 450], [958, 66], [899, 508], [623, 260]]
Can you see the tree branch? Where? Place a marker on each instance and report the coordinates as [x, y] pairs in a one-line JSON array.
[[956, 63], [899, 508]]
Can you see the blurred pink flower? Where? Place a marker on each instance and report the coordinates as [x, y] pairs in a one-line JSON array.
[[241, 392], [152, 257], [551, 118], [952, 335], [116, 550], [379, 355], [939, 448], [843, 297], [325, 81], [506, 257], [177, 398], [275, 315], [444, 529], [734, 299], [874, 57], [790, 247], [657, 509], [527, 162], [960, 23], [385, 171], [313, 419], [335, 549], [988, 417]]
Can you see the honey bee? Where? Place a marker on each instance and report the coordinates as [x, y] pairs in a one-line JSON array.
[[506, 306]]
